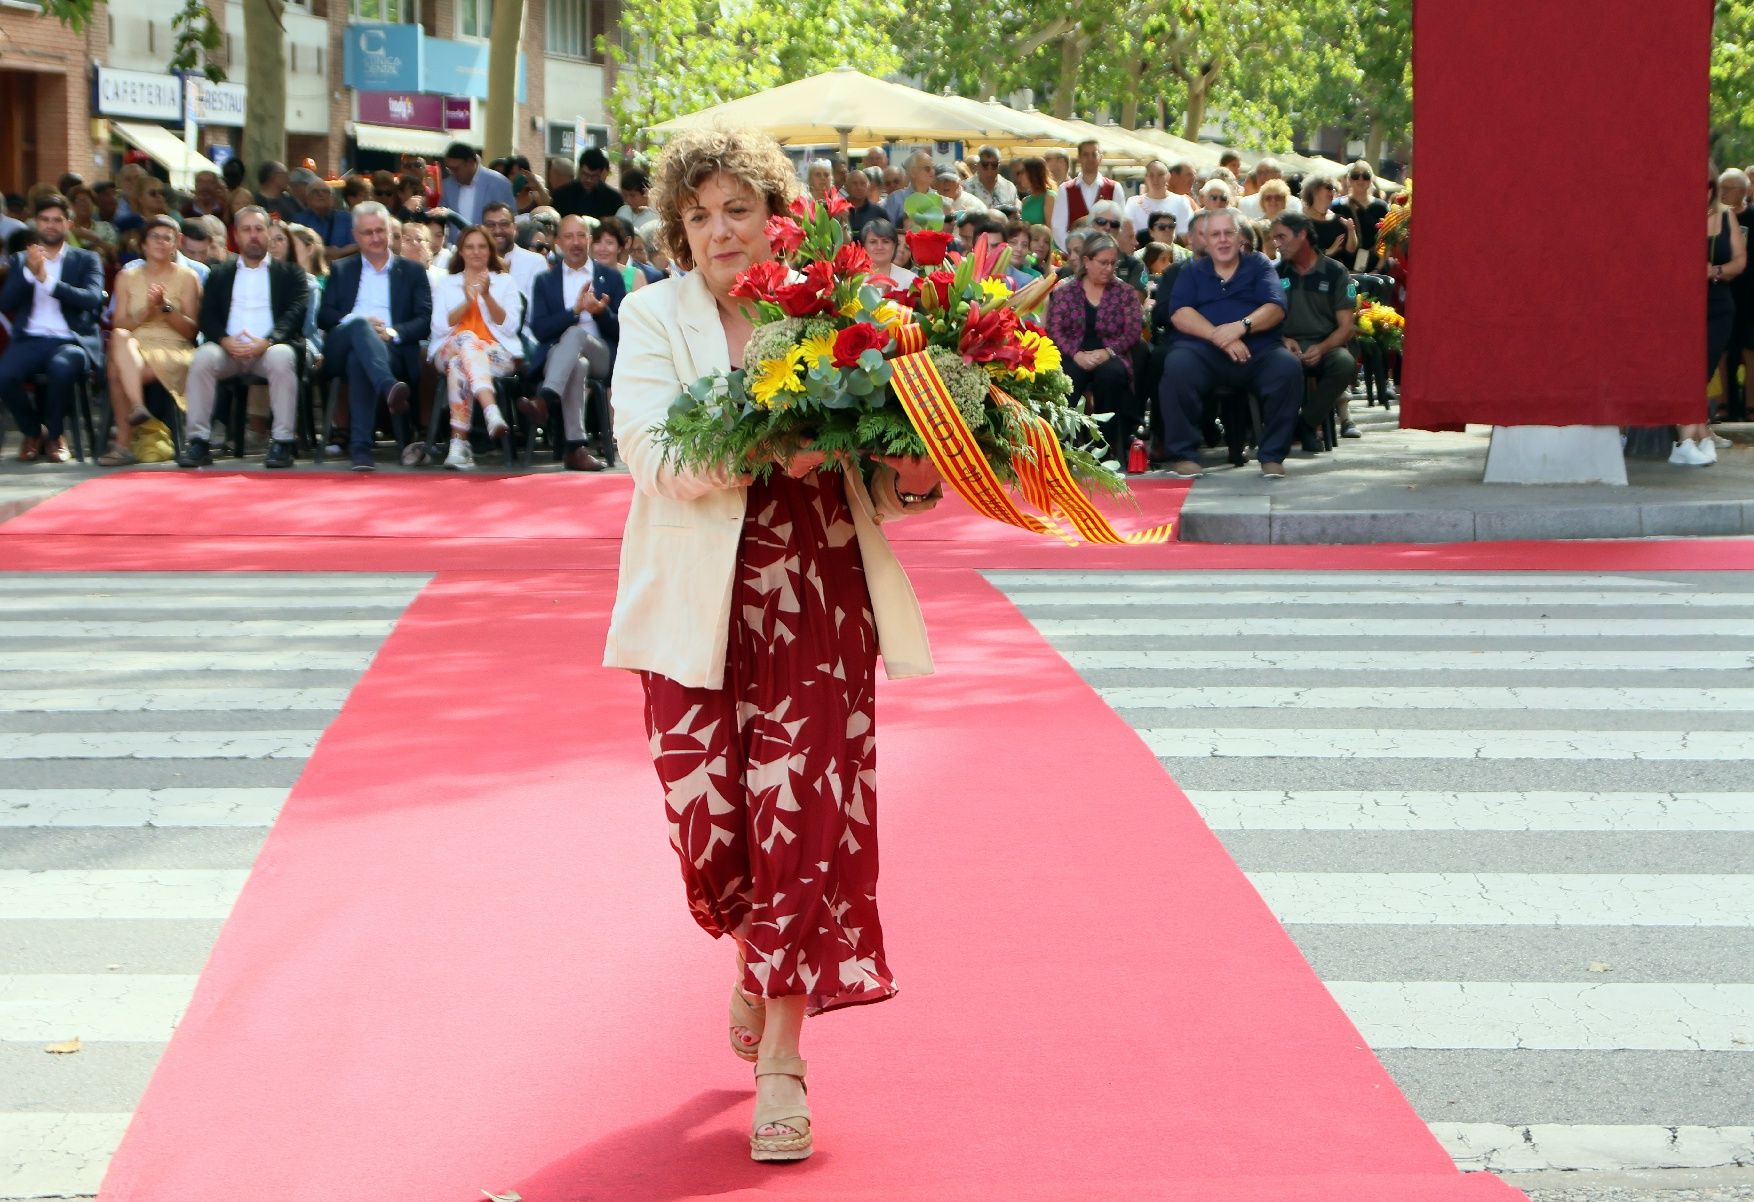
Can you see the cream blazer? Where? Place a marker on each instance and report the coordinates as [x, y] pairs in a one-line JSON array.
[[679, 552]]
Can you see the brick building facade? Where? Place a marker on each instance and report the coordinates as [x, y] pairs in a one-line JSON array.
[[45, 108]]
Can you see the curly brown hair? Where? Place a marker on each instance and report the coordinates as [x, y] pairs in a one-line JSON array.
[[693, 157]]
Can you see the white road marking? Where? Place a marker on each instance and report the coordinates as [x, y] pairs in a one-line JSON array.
[[1360, 598], [160, 745], [57, 1155], [1421, 697], [1532, 810], [155, 603], [97, 1008], [1362, 743], [120, 892], [140, 807], [1297, 626], [1509, 898], [65, 662], [1551, 1016], [1291, 658], [1584, 1147], [146, 629], [181, 695], [1341, 580]]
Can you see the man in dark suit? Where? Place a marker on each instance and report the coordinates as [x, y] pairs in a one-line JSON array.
[[252, 318], [573, 308], [376, 309], [53, 295]]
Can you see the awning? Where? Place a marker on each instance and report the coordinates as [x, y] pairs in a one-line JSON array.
[[167, 150], [394, 139]]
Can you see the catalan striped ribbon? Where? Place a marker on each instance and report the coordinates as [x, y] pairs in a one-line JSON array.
[[1046, 483]]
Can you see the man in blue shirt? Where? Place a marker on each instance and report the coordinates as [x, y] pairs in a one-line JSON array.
[[1224, 308]]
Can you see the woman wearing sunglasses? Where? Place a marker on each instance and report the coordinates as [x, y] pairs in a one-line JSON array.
[[1362, 208]]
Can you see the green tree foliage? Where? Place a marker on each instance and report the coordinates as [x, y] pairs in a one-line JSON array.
[[679, 56], [1732, 83], [197, 32]]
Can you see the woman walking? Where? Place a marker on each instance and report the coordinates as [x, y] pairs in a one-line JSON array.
[[754, 611]]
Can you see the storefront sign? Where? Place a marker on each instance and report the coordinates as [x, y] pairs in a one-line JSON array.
[[138, 94], [460, 69], [414, 110], [219, 103], [383, 57], [459, 113]]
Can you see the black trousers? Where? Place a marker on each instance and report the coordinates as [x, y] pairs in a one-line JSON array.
[[1194, 370], [1111, 392]]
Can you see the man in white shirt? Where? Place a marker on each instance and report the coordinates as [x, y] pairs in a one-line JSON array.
[[957, 199], [993, 189], [574, 323], [1250, 205], [524, 265], [1159, 196], [52, 294], [1080, 194], [252, 317]]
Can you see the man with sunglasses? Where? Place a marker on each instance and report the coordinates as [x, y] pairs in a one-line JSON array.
[[1365, 212], [994, 190]]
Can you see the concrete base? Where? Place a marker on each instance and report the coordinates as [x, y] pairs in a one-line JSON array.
[[1555, 455]]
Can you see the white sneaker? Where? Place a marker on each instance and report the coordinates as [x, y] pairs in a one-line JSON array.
[[461, 458], [1707, 449], [1720, 442], [1687, 454], [495, 423]]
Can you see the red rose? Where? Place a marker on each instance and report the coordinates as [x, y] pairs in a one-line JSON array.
[[928, 247], [784, 235], [851, 259], [814, 295], [761, 281], [855, 340]]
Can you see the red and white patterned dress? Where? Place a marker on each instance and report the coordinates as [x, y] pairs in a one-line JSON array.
[[769, 781]]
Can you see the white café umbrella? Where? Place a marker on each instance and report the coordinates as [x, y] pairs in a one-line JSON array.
[[843, 106]]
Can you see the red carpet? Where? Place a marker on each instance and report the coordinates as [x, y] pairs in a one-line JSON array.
[[463, 962]]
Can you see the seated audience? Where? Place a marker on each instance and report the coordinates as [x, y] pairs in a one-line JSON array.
[[474, 337], [880, 244], [152, 338], [636, 209], [1079, 195], [1096, 325], [609, 249], [376, 309], [253, 313], [989, 187], [195, 247], [1320, 301], [53, 295], [589, 195], [524, 265], [864, 204], [573, 320], [1224, 308], [1361, 208], [333, 225]]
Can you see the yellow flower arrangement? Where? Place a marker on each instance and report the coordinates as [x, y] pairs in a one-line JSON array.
[[891, 316], [774, 376], [996, 289], [819, 349], [1047, 355]]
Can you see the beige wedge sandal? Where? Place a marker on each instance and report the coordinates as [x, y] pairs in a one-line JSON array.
[[796, 1146], [748, 1021]]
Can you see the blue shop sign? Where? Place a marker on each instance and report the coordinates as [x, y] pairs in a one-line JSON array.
[[460, 69], [381, 57]]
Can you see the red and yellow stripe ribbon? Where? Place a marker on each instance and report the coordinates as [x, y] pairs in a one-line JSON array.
[[1046, 481]]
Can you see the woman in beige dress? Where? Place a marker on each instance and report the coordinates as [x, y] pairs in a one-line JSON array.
[[157, 305]]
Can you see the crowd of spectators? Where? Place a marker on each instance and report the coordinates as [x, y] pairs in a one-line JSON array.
[[1193, 309]]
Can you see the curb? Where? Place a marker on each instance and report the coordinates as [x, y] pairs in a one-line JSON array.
[[1232, 523]]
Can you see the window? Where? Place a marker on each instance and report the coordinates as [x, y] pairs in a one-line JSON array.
[[475, 18], [396, 12], [573, 26], [562, 144]]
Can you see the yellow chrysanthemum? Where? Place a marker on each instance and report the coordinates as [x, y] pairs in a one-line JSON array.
[[774, 376], [852, 308], [819, 349], [996, 289]]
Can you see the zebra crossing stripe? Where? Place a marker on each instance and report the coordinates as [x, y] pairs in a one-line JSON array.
[[1280, 627], [1460, 660], [1509, 898], [140, 807], [160, 745], [1350, 810], [1423, 598], [182, 695], [112, 1007], [57, 1155], [1421, 697], [1551, 1016], [1349, 743], [80, 893], [1584, 1147]]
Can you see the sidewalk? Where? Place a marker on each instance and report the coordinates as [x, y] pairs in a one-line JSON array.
[[1395, 485]]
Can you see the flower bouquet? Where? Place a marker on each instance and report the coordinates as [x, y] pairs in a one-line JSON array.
[[843, 363], [1381, 327], [1396, 229]]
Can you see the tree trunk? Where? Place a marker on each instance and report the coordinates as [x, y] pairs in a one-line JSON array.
[[1373, 147], [1130, 101], [501, 135], [265, 67], [1071, 56], [1195, 117]]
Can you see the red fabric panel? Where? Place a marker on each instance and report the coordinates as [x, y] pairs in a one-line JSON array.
[[1527, 117]]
